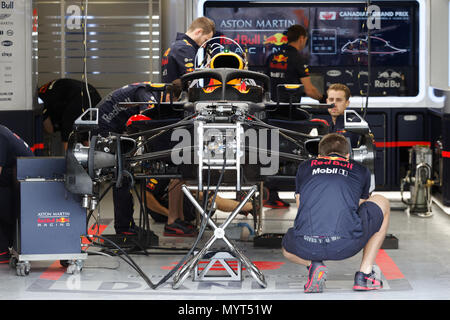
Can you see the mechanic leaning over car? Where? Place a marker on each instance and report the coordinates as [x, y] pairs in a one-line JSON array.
[[64, 101], [179, 59], [112, 118]]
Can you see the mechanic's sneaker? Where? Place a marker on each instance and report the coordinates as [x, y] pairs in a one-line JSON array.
[[179, 229], [272, 200], [185, 223], [276, 204], [254, 201], [138, 232], [132, 236], [367, 281], [4, 257], [317, 275], [131, 231]]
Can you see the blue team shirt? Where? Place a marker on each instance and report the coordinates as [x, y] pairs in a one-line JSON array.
[[330, 189], [112, 116], [286, 67], [339, 127], [179, 59]]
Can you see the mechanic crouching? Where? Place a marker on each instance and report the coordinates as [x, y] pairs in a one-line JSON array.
[[336, 217]]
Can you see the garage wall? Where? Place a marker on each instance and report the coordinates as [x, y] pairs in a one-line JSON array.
[[123, 42], [173, 21]]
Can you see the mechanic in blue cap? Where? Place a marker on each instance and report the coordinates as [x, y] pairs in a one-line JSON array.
[[11, 147], [179, 59], [337, 216]]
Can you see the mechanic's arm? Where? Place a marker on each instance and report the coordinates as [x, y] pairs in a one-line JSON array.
[[228, 205], [368, 187], [154, 204], [48, 126], [310, 90], [297, 199]]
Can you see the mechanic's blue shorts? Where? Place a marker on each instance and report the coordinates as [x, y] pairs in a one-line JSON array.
[[319, 249]]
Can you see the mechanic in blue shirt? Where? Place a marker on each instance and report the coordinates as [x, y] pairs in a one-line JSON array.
[[112, 118], [179, 59], [337, 216], [11, 147], [339, 95], [288, 66]]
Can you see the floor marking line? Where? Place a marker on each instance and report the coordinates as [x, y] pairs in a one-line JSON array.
[[262, 265], [55, 270], [388, 266]]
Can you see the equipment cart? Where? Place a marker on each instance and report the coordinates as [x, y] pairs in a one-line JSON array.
[[50, 221]]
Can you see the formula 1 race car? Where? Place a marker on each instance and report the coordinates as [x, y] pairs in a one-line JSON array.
[[269, 140], [222, 133]]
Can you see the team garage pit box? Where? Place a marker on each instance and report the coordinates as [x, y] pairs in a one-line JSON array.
[[49, 220]]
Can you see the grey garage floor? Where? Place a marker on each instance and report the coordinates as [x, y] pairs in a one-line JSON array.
[[418, 269]]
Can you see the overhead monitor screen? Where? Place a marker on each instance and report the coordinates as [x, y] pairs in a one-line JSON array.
[[338, 46]]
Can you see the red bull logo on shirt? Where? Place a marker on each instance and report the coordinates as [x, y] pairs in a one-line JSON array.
[[280, 58], [279, 61], [343, 164]]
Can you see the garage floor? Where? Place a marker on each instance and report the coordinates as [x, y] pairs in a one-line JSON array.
[[418, 269]]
